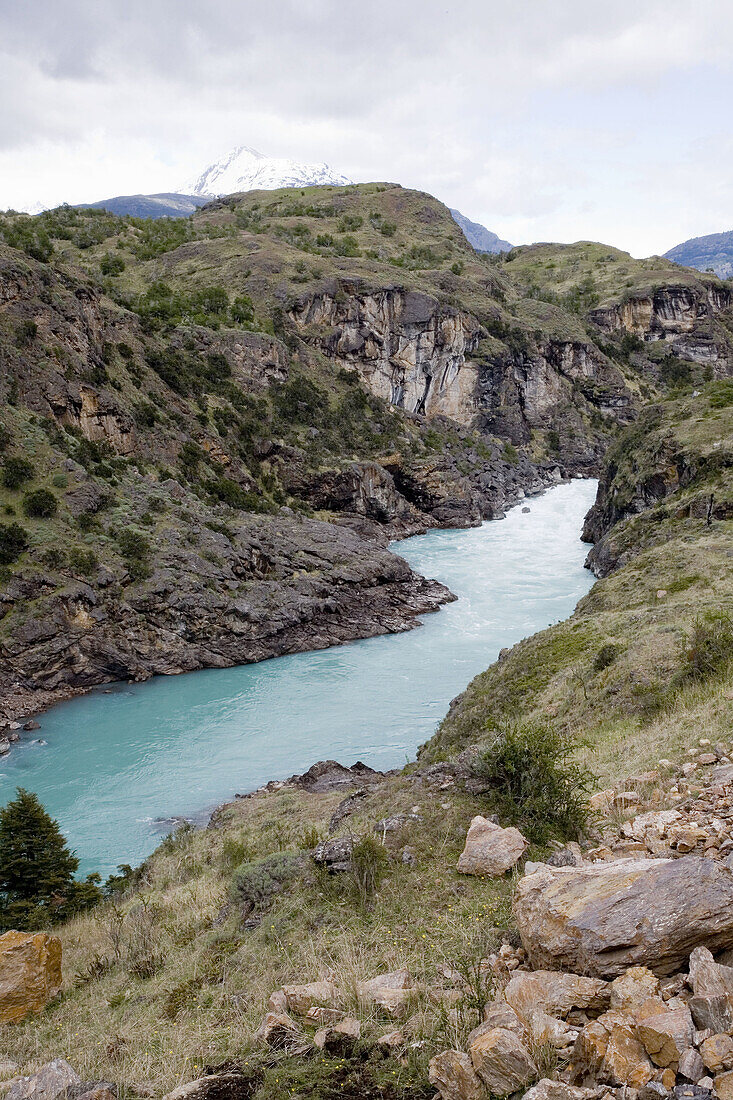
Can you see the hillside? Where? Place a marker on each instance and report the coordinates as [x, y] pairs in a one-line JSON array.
[[276, 386], [171, 980], [713, 252]]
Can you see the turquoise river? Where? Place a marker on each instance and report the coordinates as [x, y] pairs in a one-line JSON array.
[[115, 767]]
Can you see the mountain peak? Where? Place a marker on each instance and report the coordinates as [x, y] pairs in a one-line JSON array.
[[246, 169]]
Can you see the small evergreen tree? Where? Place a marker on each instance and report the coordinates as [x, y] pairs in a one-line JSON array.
[[37, 884]]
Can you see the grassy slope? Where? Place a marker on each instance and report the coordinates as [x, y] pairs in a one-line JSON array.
[[615, 274]]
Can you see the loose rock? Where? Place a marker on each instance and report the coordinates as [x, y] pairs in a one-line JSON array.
[[490, 850]]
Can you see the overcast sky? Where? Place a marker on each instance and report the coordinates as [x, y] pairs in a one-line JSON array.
[[542, 119]]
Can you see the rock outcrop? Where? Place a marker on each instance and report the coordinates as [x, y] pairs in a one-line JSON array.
[[602, 918], [30, 973]]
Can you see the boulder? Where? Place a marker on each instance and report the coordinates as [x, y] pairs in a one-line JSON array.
[[609, 1050], [30, 973], [335, 855], [340, 1038], [90, 1090], [631, 992], [555, 993], [453, 1075], [558, 1090], [666, 1034], [490, 850], [279, 1031], [708, 978], [724, 1086], [390, 992], [691, 1065], [501, 1014], [502, 1061], [299, 999], [717, 1053], [603, 918], [391, 1041], [49, 1083], [712, 1013]]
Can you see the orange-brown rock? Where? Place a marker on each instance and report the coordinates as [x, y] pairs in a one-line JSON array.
[[30, 973], [667, 1034], [452, 1074], [502, 1061], [717, 1053]]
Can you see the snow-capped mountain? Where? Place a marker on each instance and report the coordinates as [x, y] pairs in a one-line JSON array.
[[244, 169]]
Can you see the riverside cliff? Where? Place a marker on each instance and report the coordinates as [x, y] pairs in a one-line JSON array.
[[209, 417]]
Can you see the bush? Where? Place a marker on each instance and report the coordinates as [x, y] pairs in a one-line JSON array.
[[13, 542], [368, 863], [710, 649], [111, 265], [135, 549], [40, 504], [16, 471], [256, 884], [532, 780], [605, 656]]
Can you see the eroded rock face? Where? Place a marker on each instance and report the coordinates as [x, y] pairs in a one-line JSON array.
[[282, 585], [410, 350], [490, 850], [680, 315], [30, 973], [603, 918]]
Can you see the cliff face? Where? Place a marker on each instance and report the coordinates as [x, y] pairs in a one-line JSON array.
[[426, 358], [267, 588], [408, 349], [682, 316]]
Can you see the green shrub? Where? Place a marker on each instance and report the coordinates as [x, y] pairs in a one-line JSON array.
[[135, 549], [16, 471], [368, 863], [721, 394], [13, 542], [605, 656], [256, 884], [532, 780], [111, 265], [511, 454], [40, 504], [710, 648], [26, 333]]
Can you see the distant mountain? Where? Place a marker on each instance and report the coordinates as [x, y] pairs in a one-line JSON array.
[[166, 205], [244, 169], [711, 253], [477, 235]]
